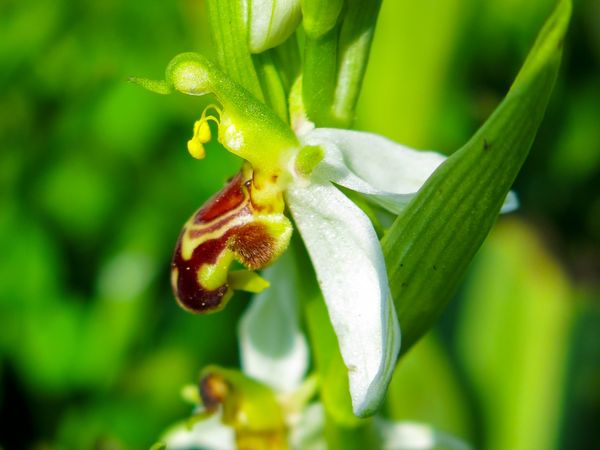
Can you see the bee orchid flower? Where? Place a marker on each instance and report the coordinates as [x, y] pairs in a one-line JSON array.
[[302, 167], [269, 406]]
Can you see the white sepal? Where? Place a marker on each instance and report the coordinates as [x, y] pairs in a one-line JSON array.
[[351, 272], [272, 346], [208, 434], [309, 432], [388, 173], [416, 436]]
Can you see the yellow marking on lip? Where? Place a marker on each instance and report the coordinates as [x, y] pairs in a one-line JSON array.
[[189, 244], [246, 280], [213, 276]]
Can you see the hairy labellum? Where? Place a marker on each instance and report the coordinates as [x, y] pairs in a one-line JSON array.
[[229, 227]]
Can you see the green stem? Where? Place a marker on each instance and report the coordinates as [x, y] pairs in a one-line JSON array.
[[288, 61], [356, 35], [320, 76], [272, 84], [231, 39], [340, 437]]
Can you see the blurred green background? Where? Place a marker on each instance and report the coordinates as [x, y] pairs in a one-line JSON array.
[[95, 184]]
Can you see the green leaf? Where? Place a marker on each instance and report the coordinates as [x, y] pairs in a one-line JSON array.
[[271, 83], [321, 29], [430, 246], [319, 77]]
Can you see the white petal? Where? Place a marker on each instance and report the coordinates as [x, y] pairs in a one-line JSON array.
[[273, 348], [416, 436], [309, 432], [209, 434], [351, 272], [510, 204], [272, 22], [387, 172]]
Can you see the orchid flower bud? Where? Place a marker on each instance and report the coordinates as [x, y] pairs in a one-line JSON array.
[[320, 16], [271, 22]]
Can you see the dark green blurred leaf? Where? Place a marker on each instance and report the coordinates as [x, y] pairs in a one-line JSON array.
[[514, 338], [77, 196], [426, 388], [407, 75]]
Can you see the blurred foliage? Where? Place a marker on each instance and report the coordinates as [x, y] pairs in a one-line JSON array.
[[95, 184]]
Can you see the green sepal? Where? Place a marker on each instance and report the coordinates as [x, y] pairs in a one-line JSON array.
[[429, 247]]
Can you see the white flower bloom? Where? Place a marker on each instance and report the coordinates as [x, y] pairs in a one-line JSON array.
[[289, 360], [208, 434], [302, 167], [416, 436]]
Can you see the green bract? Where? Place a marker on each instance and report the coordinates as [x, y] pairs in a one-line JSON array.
[[430, 246]]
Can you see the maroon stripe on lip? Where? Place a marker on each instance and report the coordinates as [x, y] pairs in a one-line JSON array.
[[227, 199], [190, 294], [218, 224]]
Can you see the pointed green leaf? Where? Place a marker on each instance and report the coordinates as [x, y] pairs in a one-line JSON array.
[[517, 343], [430, 246]]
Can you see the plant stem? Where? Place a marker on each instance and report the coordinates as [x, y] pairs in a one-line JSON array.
[[320, 77], [356, 35], [271, 82], [288, 61]]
